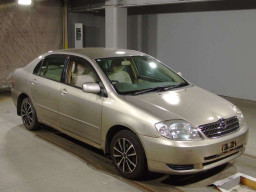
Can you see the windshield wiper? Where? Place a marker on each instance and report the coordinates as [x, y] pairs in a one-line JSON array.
[[159, 88], [175, 86]]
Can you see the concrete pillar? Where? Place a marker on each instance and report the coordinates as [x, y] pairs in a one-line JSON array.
[[116, 25]]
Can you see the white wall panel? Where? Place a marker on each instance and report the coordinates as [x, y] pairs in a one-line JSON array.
[[215, 50]]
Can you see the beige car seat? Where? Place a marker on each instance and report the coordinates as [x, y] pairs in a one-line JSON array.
[[118, 74]]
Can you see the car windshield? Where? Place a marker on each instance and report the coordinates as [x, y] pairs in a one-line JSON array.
[[139, 74]]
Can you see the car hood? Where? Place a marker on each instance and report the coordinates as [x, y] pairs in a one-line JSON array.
[[192, 104]]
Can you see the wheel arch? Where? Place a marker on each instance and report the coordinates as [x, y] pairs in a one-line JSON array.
[[114, 130], [21, 97]]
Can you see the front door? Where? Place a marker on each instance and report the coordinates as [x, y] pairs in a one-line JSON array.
[[80, 112]]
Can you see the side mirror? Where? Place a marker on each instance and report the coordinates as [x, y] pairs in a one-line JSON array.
[[180, 74], [91, 88]]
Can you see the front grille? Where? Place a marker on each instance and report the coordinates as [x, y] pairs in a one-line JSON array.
[[220, 128]]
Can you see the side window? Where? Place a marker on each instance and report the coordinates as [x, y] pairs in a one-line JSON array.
[[80, 72], [37, 68], [52, 67]]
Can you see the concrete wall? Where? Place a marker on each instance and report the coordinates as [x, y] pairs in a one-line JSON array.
[[94, 29], [215, 50], [26, 32]]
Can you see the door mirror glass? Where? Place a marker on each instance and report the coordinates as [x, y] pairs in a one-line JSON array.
[[180, 74], [91, 88]]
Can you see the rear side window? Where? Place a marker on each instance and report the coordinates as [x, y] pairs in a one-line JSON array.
[[52, 67]]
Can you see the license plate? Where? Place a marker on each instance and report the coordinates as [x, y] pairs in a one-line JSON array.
[[228, 146]]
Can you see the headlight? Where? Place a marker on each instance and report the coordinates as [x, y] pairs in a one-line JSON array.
[[178, 130], [240, 116]]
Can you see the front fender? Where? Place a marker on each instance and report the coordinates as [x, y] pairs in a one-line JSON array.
[[118, 112]]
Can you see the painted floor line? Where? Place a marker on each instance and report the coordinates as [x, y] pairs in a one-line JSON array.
[[248, 155]]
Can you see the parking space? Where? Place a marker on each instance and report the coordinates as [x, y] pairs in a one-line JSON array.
[[48, 159]]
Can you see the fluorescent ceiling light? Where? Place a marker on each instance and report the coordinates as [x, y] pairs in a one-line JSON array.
[[120, 52], [24, 2]]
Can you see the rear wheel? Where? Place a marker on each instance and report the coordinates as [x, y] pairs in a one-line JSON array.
[[28, 115], [128, 155]]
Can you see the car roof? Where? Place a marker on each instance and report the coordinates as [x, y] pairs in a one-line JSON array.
[[101, 52]]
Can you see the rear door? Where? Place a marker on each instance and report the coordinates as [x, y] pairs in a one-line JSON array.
[[80, 112], [44, 86]]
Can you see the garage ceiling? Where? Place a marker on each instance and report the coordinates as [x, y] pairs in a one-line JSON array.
[[162, 6]]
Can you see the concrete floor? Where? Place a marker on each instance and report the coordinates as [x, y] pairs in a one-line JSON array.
[[47, 160]]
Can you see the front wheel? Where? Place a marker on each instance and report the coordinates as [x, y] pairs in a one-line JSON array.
[[128, 155], [28, 115]]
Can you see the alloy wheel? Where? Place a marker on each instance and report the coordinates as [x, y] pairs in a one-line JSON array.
[[27, 113], [125, 155]]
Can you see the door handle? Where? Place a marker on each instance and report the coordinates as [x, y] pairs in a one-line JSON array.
[[63, 91], [33, 82]]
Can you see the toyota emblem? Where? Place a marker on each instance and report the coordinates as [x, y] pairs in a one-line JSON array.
[[223, 124]]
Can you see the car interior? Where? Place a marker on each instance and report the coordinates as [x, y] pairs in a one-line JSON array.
[[133, 73], [80, 73]]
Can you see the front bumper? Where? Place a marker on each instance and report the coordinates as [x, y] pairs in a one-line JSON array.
[[187, 157]]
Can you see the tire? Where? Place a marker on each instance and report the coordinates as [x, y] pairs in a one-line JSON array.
[[130, 163], [28, 115]]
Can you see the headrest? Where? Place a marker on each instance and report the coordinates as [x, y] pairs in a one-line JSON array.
[[73, 67], [126, 63]]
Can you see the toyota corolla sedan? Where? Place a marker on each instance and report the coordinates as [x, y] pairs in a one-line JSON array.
[[133, 107]]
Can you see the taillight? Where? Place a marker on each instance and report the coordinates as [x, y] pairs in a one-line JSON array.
[[12, 82]]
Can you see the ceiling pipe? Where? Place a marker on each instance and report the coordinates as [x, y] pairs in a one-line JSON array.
[[133, 3]]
